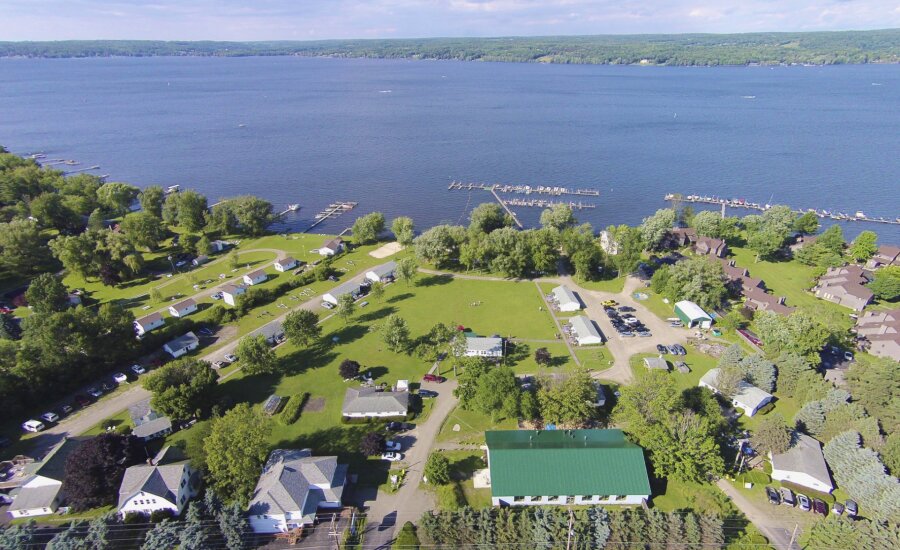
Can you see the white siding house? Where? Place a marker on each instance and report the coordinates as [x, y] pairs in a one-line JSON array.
[[368, 402], [332, 296], [181, 345], [803, 464], [383, 273], [332, 247], [42, 494], [147, 488], [565, 299], [285, 264], [749, 398], [230, 293], [585, 331], [480, 346], [255, 277], [145, 324], [183, 309]]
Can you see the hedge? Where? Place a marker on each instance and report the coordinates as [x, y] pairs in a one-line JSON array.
[[291, 411]]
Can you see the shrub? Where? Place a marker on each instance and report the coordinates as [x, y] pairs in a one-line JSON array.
[[159, 515], [292, 409], [450, 497], [437, 469], [407, 538], [134, 517]]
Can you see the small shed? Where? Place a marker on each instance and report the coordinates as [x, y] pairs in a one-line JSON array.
[[566, 299], [658, 363], [692, 315]]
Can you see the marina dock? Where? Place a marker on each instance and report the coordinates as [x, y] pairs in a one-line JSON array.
[[508, 211], [522, 189], [88, 169], [744, 204], [333, 210]]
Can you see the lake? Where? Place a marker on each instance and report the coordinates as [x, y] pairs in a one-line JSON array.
[[391, 134]]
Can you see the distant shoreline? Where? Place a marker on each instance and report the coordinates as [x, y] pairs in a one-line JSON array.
[[704, 50]]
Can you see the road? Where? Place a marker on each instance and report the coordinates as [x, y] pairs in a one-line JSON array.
[[777, 530]]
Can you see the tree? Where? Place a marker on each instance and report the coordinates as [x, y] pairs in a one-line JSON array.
[[165, 535], [70, 539], [94, 469], [185, 209], [95, 220], [544, 246], [800, 333], [765, 242], [372, 444], [376, 290], [629, 246], [233, 525], [23, 250], [46, 294], [407, 270], [348, 369], [697, 280], [98, 532], [728, 380], [302, 327], [183, 388], [811, 417], [759, 371], [492, 391], [473, 369], [402, 228], [19, 537], [707, 223], [256, 356], [406, 538], [684, 447], [395, 333], [236, 449], [790, 370], [559, 217], [875, 384], [117, 198], [487, 217], [859, 471], [771, 435], [542, 357], [346, 306], [437, 469], [864, 246], [569, 402], [886, 284], [807, 224], [367, 228], [193, 534], [440, 244], [151, 199], [143, 229], [251, 214], [890, 453], [655, 227], [51, 211]]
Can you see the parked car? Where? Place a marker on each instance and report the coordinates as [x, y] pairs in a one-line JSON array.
[[5, 499], [427, 393], [851, 508], [662, 349], [610, 303], [82, 400], [392, 445], [676, 324], [626, 309], [644, 333], [50, 417], [820, 507], [848, 356], [681, 350], [627, 334], [120, 378], [837, 508], [33, 426], [632, 321], [105, 387], [803, 502], [66, 410], [216, 296], [218, 364], [433, 378], [137, 369], [327, 305], [673, 350], [392, 457], [398, 426], [787, 497], [95, 393], [230, 357], [773, 495], [206, 331]]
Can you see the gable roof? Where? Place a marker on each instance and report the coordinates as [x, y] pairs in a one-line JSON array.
[[234, 289], [565, 462], [37, 495], [333, 244], [804, 456], [370, 400], [584, 327], [484, 343], [295, 481], [256, 274], [888, 252], [140, 411], [53, 464], [384, 270], [183, 341], [564, 296], [149, 319], [656, 363], [345, 288], [159, 481], [286, 261], [692, 310], [748, 395], [152, 427], [185, 304]]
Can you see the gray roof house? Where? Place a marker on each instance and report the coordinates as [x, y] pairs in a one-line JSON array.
[[585, 331], [803, 464], [147, 488], [484, 346], [148, 424], [749, 398], [369, 402], [294, 484], [565, 299], [382, 273], [333, 295], [181, 345], [42, 494]]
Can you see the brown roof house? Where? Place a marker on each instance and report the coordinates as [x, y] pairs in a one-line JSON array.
[[758, 299], [844, 286], [881, 329], [710, 246], [886, 255], [682, 236]]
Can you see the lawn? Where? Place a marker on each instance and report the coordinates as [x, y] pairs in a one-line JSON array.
[[595, 358], [613, 286], [463, 465], [472, 426]]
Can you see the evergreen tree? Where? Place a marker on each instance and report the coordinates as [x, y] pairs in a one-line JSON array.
[[164, 536], [657, 528], [712, 529], [70, 539], [620, 532], [98, 532], [676, 537], [541, 528], [233, 525], [22, 536], [811, 417], [600, 526], [692, 534], [485, 529], [193, 534]]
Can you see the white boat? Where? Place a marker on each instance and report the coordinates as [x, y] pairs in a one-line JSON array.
[[173, 189], [859, 214], [293, 207]]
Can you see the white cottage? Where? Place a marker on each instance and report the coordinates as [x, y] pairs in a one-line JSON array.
[[565, 299], [148, 488], [585, 332], [749, 398], [181, 345], [230, 293], [147, 323], [183, 308], [481, 346], [255, 277], [803, 464], [285, 264]]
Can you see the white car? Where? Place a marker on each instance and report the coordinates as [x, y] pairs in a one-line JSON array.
[[120, 378], [392, 457], [219, 364], [230, 357], [137, 369], [33, 426], [392, 445], [50, 417]]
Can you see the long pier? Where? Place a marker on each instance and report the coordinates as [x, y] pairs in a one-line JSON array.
[[522, 189], [741, 203], [508, 211], [541, 203], [88, 169], [334, 210]]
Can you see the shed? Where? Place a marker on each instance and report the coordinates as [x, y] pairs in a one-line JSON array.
[[748, 398], [585, 331], [566, 299], [255, 277], [658, 363], [692, 315], [181, 345]]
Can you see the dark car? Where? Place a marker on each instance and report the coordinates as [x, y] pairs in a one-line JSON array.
[[851, 508], [399, 426], [427, 393], [820, 507], [434, 378], [626, 309], [773, 495], [662, 349], [4, 441], [681, 350], [82, 400], [803, 502], [787, 497], [611, 313], [66, 410], [837, 508]]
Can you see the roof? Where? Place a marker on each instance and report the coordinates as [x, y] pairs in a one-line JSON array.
[[345, 288], [152, 427], [804, 456], [747, 395], [565, 296], [294, 480], [149, 319], [370, 400], [286, 261], [383, 270], [36, 496], [484, 343], [656, 363], [234, 289], [139, 411], [333, 244], [692, 310], [183, 341], [53, 464], [583, 327], [160, 481], [888, 251], [579, 462], [256, 274], [185, 304]]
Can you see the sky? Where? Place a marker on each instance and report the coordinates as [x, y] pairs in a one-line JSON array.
[[323, 19]]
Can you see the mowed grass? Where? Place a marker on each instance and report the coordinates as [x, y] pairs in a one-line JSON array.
[[472, 425]]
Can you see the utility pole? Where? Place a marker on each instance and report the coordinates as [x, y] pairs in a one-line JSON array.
[[569, 533]]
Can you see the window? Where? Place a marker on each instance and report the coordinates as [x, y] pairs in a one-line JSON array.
[[183, 481]]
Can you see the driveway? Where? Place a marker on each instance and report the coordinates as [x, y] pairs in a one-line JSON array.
[[390, 510], [774, 528]]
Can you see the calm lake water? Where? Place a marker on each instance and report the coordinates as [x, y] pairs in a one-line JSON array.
[[392, 134]]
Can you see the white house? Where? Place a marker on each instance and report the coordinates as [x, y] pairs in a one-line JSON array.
[[145, 324], [803, 464], [565, 299], [293, 486], [255, 277], [231, 292], [565, 467], [333, 295], [285, 264], [184, 308], [181, 345], [481, 346], [42, 494], [200, 260], [749, 398], [383, 273], [332, 247], [148, 424], [369, 402], [148, 488], [585, 331]]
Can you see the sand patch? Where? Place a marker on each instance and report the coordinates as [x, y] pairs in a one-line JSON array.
[[387, 250], [315, 404]]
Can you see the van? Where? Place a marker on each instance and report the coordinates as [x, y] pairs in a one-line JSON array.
[[33, 426]]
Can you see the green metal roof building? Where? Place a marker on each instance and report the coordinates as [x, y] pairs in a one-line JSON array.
[[543, 467]]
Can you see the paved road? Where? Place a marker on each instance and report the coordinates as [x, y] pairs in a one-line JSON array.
[[388, 511], [776, 529]]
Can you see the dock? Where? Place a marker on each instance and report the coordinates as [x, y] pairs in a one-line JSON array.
[[290, 208], [333, 210], [541, 203], [88, 169], [508, 211], [858, 216], [522, 189]]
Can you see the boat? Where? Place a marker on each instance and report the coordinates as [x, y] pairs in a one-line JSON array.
[[859, 214], [293, 207], [172, 189]]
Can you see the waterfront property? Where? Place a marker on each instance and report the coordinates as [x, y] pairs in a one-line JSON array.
[[42, 494], [565, 467], [565, 299], [886, 255], [285, 264], [333, 295], [370, 402], [184, 308], [147, 323], [332, 247], [748, 398], [293, 486], [711, 247], [585, 332], [162, 484], [383, 273], [255, 277], [230, 293], [181, 345], [803, 464], [879, 333], [481, 346], [844, 286], [692, 315]]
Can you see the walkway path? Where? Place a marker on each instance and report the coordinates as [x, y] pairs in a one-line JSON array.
[[776, 529], [556, 321]]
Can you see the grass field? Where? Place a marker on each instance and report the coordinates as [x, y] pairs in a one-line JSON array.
[[472, 426]]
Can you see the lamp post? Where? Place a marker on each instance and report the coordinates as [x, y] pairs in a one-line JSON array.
[[170, 262]]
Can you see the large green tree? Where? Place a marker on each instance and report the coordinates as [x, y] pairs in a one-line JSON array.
[[771, 435], [143, 229], [151, 199], [236, 449], [302, 327], [403, 229], [23, 250], [440, 244], [800, 333], [186, 209], [395, 333], [569, 402], [886, 284], [655, 228], [46, 294], [256, 356], [366, 229], [183, 388], [487, 217], [698, 280], [863, 247], [875, 384], [559, 217], [117, 198]]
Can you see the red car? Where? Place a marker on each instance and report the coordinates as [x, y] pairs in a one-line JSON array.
[[433, 378]]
